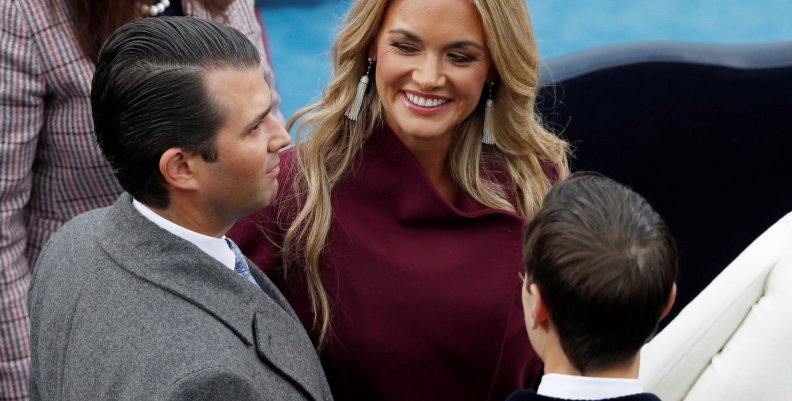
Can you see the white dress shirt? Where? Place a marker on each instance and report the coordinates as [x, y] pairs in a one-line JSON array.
[[214, 247], [586, 388]]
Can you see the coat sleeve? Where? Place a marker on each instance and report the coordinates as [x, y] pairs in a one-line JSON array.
[[215, 383], [21, 118]]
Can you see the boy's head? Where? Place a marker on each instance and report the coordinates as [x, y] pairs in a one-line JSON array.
[[601, 266]]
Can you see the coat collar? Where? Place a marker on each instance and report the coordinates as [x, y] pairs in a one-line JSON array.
[[389, 170], [179, 267]]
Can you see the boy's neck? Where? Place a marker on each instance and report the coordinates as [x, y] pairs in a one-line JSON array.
[[557, 362]]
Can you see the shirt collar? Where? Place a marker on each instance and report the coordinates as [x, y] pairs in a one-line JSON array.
[[217, 248], [587, 388]]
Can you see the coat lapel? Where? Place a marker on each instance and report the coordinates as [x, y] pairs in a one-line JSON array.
[[284, 345], [260, 318], [278, 340]]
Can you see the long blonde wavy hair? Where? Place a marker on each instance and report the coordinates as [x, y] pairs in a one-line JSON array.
[[524, 145]]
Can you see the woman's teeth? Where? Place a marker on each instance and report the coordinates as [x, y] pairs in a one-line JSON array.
[[424, 102]]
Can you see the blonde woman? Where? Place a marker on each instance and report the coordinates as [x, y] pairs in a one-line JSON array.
[[396, 233]]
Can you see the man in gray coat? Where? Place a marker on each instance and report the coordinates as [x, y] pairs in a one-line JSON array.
[[147, 299]]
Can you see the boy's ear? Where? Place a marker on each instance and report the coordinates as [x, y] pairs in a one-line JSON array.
[[671, 299], [539, 315], [176, 167]]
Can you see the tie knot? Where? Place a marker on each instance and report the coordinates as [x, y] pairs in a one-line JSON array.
[[240, 264], [234, 248]]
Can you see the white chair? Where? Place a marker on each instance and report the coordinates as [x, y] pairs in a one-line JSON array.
[[734, 340]]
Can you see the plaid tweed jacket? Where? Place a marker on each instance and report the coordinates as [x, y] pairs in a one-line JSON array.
[[50, 166]]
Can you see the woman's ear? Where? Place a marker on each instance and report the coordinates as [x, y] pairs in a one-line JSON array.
[[176, 167], [492, 74], [372, 51]]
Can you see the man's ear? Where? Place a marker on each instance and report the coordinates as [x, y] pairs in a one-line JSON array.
[[671, 299], [539, 315], [177, 167]]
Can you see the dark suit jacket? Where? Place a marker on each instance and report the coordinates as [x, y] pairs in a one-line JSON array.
[[121, 309]]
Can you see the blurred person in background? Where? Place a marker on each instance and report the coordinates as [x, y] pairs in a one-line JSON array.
[[50, 166], [396, 234]]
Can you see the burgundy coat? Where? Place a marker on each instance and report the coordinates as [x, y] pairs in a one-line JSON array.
[[425, 295]]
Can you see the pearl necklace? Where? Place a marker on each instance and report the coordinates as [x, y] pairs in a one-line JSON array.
[[155, 9]]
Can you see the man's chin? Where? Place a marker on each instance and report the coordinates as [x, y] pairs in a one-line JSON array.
[[267, 199]]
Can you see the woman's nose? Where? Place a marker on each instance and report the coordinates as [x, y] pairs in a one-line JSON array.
[[428, 74]]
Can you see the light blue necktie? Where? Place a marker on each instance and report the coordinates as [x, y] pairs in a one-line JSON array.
[[240, 265]]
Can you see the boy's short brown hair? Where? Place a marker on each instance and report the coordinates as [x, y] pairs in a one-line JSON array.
[[605, 263]]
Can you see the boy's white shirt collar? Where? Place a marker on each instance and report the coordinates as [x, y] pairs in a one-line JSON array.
[[217, 248], [587, 388]]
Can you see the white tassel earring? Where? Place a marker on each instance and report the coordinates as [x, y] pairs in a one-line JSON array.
[[354, 109], [488, 138]]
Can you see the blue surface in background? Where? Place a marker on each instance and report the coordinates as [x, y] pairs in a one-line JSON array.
[[299, 40], [300, 32]]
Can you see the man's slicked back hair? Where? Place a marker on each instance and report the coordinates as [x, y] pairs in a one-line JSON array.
[[605, 263], [148, 95]]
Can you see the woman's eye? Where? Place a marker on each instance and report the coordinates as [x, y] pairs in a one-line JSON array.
[[404, 48], [255, 129], [460, 58]]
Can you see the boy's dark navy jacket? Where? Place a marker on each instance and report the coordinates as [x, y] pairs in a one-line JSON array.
[[530, 395]]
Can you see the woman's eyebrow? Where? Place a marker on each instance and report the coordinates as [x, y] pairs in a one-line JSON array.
[[453, 45], [464, 43], [408, 34]]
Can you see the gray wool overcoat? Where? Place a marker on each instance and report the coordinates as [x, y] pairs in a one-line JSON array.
[[123, 310]]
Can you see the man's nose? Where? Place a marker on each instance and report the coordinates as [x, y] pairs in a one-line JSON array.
[[279, 139]]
